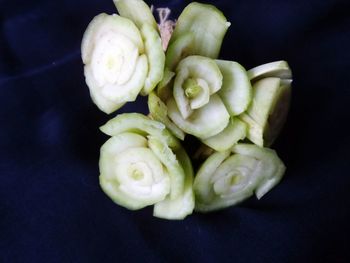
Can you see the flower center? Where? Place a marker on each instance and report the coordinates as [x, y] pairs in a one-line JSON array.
[[137, 175], [114, 59], [197, 91], [192, 88], [234, 179]]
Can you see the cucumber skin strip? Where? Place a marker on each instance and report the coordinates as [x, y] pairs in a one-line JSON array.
[[179, 49], [255, 132], [169, 160], [208, 25], [137, 11], [265, 93], [136, 122], [279, 113], [236, 91], [140, 13], [269, 109], [164, 88], [155, 56], [278, 69], [158, 111], [182, 206], [266, 134]]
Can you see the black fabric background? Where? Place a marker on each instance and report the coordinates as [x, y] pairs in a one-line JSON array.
[[51, 206]]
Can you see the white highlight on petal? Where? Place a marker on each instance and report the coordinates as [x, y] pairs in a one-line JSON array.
[[114, 58], [140, 174]]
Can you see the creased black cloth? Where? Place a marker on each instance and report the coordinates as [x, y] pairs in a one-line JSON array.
[[51, 206]]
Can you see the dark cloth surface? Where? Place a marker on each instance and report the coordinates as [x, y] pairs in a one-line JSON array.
[[51, 206]]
